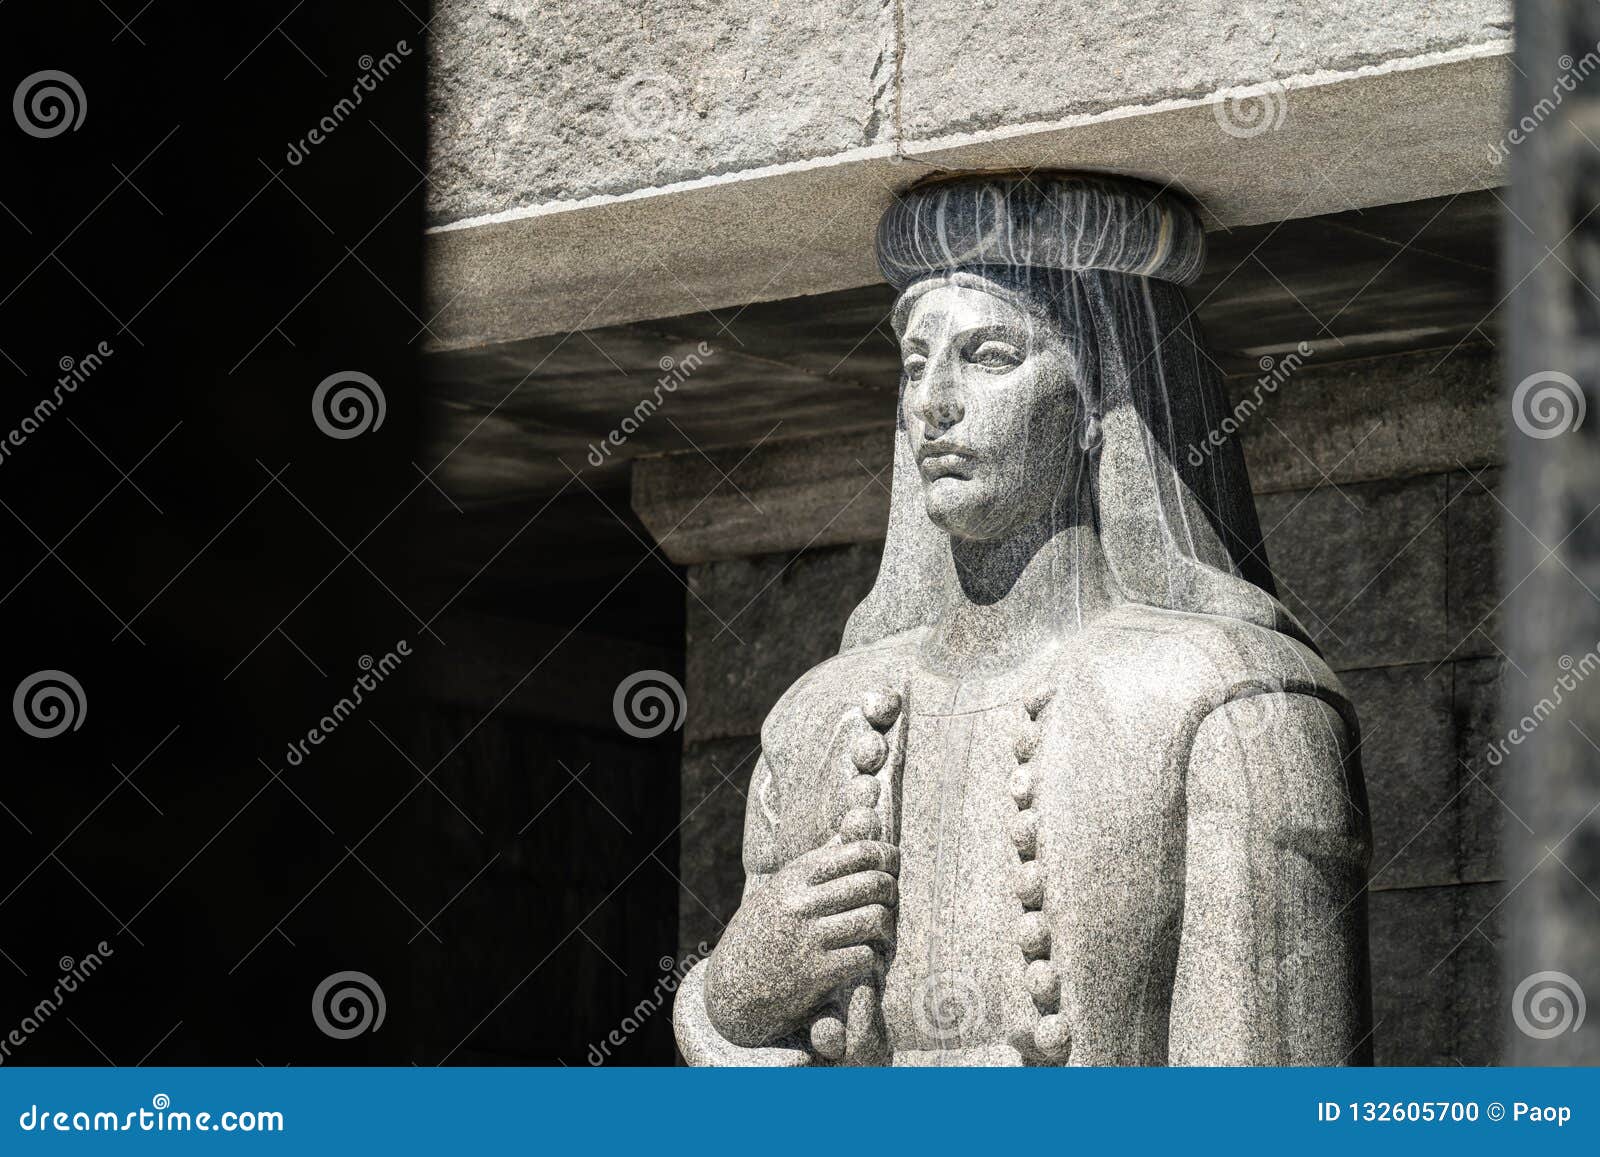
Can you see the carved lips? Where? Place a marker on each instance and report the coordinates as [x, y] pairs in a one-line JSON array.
[[942, 459]]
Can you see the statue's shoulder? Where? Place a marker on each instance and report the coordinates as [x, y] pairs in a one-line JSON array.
[[843, 678], [804, 714], [1212, 658], [1251, 705]]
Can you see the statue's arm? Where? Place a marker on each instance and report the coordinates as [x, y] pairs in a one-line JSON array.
[[1272, 966], [698, 1038]]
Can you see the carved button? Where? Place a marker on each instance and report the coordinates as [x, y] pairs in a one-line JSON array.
[[1027, 745], [1022, 783], [859, 823], [1025, 833], [881, 708], [1043, 984], [868, 752], [1038, 699], [1033, 934], [862, 791], [1030, 884], [1052, 1035], [827, 1036]]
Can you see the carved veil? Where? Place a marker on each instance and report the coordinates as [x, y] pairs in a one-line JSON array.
[[1102, 261]]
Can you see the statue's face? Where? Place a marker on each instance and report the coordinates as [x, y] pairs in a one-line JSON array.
[[990, 409]]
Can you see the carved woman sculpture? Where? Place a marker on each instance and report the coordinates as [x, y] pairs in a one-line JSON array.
[[1077, 789]]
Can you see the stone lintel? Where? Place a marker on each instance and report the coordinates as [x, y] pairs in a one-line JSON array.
[[1407, 129]]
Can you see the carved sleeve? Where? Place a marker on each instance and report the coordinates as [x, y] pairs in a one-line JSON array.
[[1272, 966], [698, 1039], [761, 825]]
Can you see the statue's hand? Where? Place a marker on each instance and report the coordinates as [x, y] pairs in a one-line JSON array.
[[816, 925]]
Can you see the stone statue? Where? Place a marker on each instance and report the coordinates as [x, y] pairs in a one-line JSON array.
[[1077, 788]]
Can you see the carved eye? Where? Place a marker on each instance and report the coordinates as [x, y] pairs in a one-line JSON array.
[[994, 354], [916, 366]]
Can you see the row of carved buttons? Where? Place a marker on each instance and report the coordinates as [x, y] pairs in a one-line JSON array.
[[868, 753], [1052, 1036]]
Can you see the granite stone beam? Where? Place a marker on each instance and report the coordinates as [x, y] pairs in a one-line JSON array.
[[1346, 422], [592, 166]]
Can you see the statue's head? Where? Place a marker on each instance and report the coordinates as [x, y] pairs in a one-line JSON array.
[[1052, 378], [993, 403]]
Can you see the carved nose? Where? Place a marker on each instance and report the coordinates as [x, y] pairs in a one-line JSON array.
[[939, 408]]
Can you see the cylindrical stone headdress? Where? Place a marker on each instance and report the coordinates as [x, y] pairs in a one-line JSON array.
[[1102, 258]]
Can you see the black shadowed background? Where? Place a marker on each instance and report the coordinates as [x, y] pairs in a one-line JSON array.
[[205, 573]]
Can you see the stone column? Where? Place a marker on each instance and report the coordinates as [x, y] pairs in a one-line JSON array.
[[1553, 556]]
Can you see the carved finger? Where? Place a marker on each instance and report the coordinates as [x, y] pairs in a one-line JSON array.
[[847, 965], [853, 891], [835, 860], [865, 925]]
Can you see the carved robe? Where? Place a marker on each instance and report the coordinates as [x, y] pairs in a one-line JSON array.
[[1146, 846]]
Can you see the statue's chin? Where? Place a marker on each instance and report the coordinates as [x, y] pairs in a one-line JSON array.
[[961, 508]]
